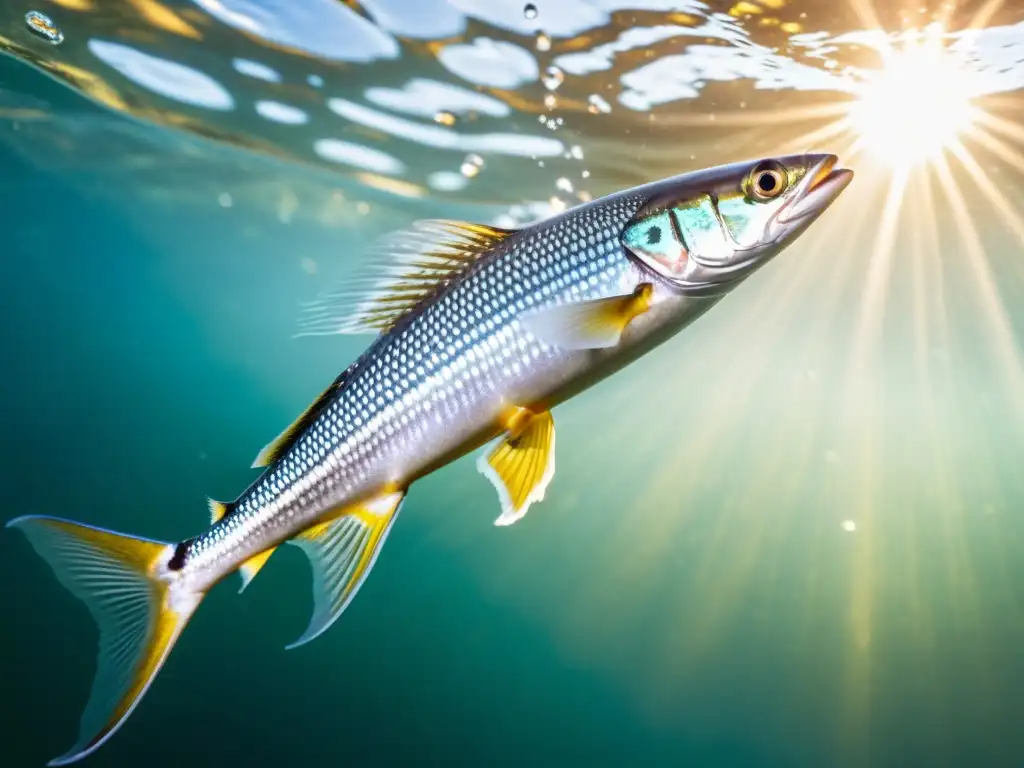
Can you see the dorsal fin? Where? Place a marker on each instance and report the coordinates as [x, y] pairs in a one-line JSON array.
[[404, 269], [219, 510], [273, 450]]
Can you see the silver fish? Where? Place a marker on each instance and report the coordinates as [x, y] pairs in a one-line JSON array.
[[481, 331]]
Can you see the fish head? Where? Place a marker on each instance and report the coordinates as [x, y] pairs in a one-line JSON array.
[[704, 232]]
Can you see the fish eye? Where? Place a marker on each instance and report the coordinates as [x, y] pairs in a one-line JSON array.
[[767, 181]]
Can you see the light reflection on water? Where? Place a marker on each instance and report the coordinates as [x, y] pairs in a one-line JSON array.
[[392, 77], [883, 378]]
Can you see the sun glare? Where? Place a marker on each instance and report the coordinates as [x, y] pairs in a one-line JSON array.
[[916, 106]]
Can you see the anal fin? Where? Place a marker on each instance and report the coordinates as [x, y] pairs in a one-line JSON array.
[[252, 566], [522, 464], [341, 552], [595, 324]]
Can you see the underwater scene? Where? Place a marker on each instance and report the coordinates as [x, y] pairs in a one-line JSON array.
[[785, 533]]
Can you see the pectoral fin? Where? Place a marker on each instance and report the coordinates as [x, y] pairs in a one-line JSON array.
[[522, 464], [342, 551], [593, 324]]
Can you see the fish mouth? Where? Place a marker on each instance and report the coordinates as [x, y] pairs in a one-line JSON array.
[[819, 189]]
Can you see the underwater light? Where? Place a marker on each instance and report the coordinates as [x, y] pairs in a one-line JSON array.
[[916, 106]]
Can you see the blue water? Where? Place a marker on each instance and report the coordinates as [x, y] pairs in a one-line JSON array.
[[790, 537]]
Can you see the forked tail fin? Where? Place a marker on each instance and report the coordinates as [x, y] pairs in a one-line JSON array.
[[138, 604]]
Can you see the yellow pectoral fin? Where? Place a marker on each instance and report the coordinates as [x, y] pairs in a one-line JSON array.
[[522, 464], [342, 551], [588, 324]]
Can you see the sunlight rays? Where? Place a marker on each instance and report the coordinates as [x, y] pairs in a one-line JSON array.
[[912, 109], [1002, 329], [1010, 215], [705, 524], [879, 267]]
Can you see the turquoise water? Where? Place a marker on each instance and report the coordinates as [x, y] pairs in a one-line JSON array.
[[792, 536]]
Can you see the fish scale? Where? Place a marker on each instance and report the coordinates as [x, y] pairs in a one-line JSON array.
[[444, 371]]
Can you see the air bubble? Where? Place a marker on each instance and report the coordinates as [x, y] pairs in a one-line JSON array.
[[598, 104], [553, 77], [43, 26], [543, 41], [471, 166], [530, 11], [444, 118]]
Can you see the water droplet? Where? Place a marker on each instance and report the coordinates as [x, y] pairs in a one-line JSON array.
[[553, 77], [576, 151], [471, 166], [530, 11], [444, 118], [225, 200], [564, 185], [557, 204], [308, 266], [598, 104], [44, 27], [363, 208], [550, 100], [543, 41], [316, 81]]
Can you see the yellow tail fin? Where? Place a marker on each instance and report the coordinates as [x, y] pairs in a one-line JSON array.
[[137, 602]]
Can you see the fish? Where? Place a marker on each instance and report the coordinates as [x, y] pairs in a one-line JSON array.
[[479, 332]]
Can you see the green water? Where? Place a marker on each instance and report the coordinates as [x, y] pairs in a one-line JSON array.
[[790, 537]]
